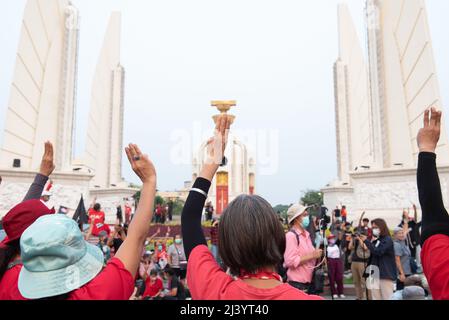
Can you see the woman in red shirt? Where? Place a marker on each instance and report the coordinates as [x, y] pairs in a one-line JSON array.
[[73, 272], [251, 241], [16, 221]]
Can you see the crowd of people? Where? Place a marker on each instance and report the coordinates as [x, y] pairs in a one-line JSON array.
[[163, 213], [250, 256]]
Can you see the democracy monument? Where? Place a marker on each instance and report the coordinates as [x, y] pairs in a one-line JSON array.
[[42, 107], [380, 100]]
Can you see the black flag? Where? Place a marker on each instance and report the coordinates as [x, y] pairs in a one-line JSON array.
[[80, 215]]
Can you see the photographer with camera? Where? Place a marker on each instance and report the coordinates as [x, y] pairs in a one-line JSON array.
[[359, 261], [300, 254]]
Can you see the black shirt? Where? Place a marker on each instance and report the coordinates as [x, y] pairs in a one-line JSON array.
[[175, 283], [116, 243]]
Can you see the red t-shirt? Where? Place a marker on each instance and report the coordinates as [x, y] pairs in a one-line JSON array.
[[98, 218], [208, 282], [152, 289], [435, 262], [114, 282], [8, 284]]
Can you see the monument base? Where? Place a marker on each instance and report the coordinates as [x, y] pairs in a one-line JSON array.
[[66, 191], [380, 193], [110, 199]]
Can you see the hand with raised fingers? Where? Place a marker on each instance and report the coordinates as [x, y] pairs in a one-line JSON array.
[[429, 135], [47, 163], [217, 144], [141, 164], [216, 147]]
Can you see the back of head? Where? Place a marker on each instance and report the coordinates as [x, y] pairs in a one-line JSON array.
[[251, 236], [97, 207]]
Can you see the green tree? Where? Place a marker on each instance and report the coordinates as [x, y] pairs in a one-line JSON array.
[[312, 198], [282, 209], [178, 205], [159, 200]]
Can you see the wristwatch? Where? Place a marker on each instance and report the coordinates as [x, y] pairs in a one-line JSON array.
[[224, 162]]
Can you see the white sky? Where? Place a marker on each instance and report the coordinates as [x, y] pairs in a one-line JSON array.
[[274, 56]]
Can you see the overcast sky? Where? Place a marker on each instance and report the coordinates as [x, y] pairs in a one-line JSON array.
[[274, 57]]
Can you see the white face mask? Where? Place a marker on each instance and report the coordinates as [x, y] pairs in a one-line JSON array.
[[376, 232]]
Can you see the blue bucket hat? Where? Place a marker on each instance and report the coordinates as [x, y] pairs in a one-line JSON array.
[[56, 258]]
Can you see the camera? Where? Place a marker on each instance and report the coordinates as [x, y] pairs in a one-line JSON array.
[[324, 218]]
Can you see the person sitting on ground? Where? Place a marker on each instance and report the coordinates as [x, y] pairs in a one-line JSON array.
[[16, 221], [153, 286], [161, 254], [59, 264], [103, 245], [175, 289], [413, 290], [117, 238], [251, 241], [435, 219]]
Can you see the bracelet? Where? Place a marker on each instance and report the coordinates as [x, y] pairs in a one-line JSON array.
[[199, 191]]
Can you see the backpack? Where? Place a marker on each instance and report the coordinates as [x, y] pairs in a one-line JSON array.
[[282, 270]]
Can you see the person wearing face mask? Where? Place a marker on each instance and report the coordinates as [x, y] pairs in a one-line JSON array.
[[382, 258], [335, 267], [403, 257], [161, 255], [177, 258], [300, 255]]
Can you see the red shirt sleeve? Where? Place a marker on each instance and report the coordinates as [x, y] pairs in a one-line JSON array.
[[113, 283], [9, 289], [435, 261], [205, 278]]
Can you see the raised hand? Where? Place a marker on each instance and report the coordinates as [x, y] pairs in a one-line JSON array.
[[141, 164], [47, 163], [216, 147], [429, 135]]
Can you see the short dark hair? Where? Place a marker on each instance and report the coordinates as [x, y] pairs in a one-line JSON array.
[[365, 220], [153, 272], [97, 207], [250, 236], [384, 231], [168, 270]]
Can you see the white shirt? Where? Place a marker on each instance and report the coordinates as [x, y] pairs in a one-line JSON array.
[[333, 252]]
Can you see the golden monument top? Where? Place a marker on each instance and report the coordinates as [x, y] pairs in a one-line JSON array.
[[223, 105]]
